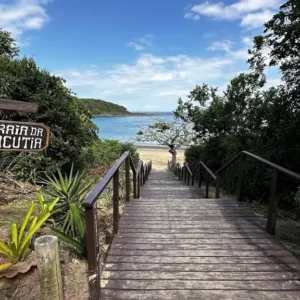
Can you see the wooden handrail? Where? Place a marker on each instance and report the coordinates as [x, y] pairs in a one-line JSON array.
[[188, 169], [140, 175], [208, 170], [274, 197], [276, 171], [280, 169]]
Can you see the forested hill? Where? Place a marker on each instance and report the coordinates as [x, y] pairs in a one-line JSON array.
[[103, 108]]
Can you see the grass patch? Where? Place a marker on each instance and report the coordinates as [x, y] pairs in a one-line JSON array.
[[287, 226]]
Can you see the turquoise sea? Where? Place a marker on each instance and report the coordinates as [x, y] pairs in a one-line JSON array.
[[124, 128]]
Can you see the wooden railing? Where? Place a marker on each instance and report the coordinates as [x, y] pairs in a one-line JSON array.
[[185, 174], [140, 175], [277, 171]]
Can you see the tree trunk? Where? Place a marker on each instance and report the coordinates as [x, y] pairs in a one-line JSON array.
[[174, 159]]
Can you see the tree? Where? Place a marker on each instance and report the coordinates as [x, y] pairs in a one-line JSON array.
[[280, 45], [7, 45], [247, 117], [171, 134], [69, 120]]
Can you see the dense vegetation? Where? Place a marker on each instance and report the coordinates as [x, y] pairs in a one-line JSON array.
[[249, 116], [99, 107], [74, 137], [65, 172]]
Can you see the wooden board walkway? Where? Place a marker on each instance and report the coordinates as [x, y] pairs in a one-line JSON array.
[[173, 244]]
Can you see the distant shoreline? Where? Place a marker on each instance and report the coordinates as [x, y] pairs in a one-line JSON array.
[[157, 147], [127, 115]]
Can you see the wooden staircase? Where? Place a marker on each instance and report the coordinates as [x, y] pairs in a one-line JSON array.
[[173, 243]]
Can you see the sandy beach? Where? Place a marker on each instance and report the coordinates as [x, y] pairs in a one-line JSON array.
[[159, 156]]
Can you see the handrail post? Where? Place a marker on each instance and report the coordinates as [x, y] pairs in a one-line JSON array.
[[273, 203], [185, 171], [127, 178], [138, 186], [218, 183], [93, 250], [207, 185], [134, 184], [116, 179], [199, 182], [188, 178], [193, 177], [144, 174], [240, 193]]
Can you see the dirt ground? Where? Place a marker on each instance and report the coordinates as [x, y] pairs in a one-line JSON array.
[[159, 156]]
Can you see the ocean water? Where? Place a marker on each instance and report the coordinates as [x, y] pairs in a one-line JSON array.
[[124, 128]]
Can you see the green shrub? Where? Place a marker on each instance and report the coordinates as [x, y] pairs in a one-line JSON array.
[[71, 190], [19, 242], [106, 152]]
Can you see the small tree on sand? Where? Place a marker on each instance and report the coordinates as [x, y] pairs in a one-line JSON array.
[[171, 134]]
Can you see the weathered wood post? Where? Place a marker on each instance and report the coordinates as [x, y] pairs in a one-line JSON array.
[[48, 265], [273, 203], [218, 185], [240, 193], [127, 178], [116, 180]]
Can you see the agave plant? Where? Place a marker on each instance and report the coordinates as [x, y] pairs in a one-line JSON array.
[[79, 243], [19, 241], [44, 207], [71, 190]]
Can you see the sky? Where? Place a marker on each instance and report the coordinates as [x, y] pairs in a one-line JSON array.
[[142, 54]]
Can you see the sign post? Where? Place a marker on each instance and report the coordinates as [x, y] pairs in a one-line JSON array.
[[22, 136]]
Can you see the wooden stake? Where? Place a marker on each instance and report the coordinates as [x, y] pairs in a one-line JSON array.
[[48, 265]]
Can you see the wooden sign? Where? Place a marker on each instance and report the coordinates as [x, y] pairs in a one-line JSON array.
[[23, 136], [18, 106]]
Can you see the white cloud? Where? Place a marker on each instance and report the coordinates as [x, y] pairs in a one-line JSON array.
[[22, 15], [248, 41], [154, 79], [141, 43], [191, 16], [256, 20], [136, 46], [221, 45], [252, 13]]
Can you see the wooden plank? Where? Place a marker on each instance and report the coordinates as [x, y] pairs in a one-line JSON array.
[[194, 235], [193, 248], [212, 231], [191, 222], [181, 246], [189, 225], [21, 106], [202, 260], [190, 218], [241, 241], [199, 253], [186, 214], [187, 211], [203, 276], [262, 285], [202, 267], [23, 136], [109, 294]]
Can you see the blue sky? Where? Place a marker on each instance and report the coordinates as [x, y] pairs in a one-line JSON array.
[[142, 54]]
